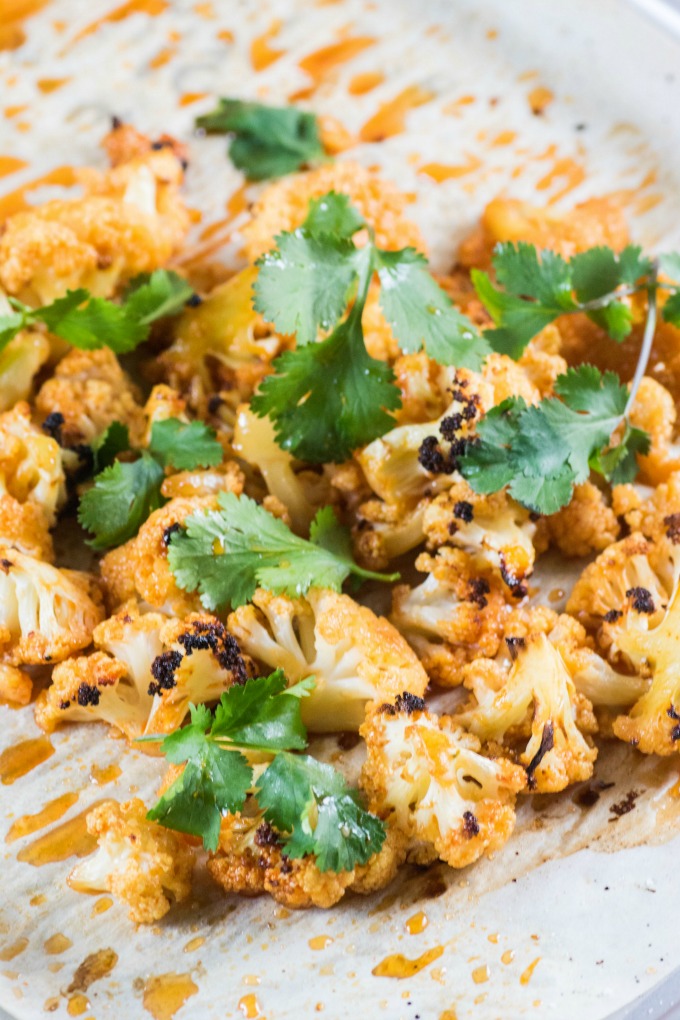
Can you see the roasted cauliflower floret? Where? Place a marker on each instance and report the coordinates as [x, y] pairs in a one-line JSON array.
[[494, 530], [658, 516], [383, 532], [130, 221], [354, 656], [422, 385], [426, 777], [89, 390], [222, 349], [143, 675], [45, 614], [654, 411], [454, 616], [144, 865], [31, 468], [20, 361], [24, 526], [283, 206], [534, 712], [586, 525], [16, 686]]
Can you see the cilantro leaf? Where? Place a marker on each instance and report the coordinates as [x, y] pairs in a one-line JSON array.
[[268, 141], [263, 713], [333, 213], [518, 321], [328, 398], [121, 499], [184, 445], [315, 811], [227, 554], [422, 314], [156, 295], [106, 447]]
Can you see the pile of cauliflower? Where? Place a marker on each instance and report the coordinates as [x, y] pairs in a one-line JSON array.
[[532, 691]]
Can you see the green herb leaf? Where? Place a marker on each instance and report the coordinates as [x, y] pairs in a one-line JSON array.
[[263, 714], [154, 296], [106, 447], [185, 445], [315, 811], [120, 500], [268, 141], [227, 554], [333, 214]]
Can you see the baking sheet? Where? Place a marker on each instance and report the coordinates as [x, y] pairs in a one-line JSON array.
[[599, 918]]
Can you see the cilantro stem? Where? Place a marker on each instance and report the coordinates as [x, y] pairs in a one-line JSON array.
[[602, 302], [647, 338], [372, 575]]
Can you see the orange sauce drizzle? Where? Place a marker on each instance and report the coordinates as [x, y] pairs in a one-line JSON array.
[[150, 7], [320, 942], [567, 170], [16, 761], [442, 172], [319, 63], [47, 85], [14, 111], [15, 201], [194, 944], [165, 994], [249, 1006], [526, 976], [70, 839], [225, 35], [163, 57], [390, 118], [77, 1005], [504, 138], [9, 952], [507, 957], [10, 165], [101, 906], [191, 97], [13, 13], [400, 967], [448, 1014], [417, 924], [454, 109], [57, 944], [360, 84], [539, 99], [104, 775], [481, 974], [53, 810], [262, 55]]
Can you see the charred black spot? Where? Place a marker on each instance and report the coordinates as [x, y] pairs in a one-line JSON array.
[[347, 740], [163, 669], [286, 866], [586, 798], [63, 705], [431, 457], [612, 616], [172, 529], [450, 425], [6, 564], [672, 523], [194, 301], [478, 590], [85, 456], [642, 600], [161, 144], [87, 695], [519, 591], [514, 644], [214, 403], [533, 516], [53, 425], [213, 635], [265, 835], [470, 825], [672, 713], [547, 744], [387, 709], [624, 806], [409, 703], [464, 511]]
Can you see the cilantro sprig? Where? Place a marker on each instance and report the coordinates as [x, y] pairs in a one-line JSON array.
[[226, 554], [308, 803], [330, 396], [125, 493], [267, 141], [541, 452], [92, 322]]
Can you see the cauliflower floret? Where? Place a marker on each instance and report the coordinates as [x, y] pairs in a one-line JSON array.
[[140, 862], [31, 468], [164, 402], [654, 411], [586, 525], [383, 532], [598, 221], [283, 206], [45, 614], [24, 526], [658, 517], [89, 390], [254, 442], [454, 616], [422, 385], [20, 362], [16, 686], [426, 777], [653, 649], [130, 221], [542, 362], [495, 530], [354, 656], [536, 699], [221, 350], [144, 673]]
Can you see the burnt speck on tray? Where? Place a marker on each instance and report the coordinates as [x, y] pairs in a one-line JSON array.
[[347, 740], [623, 807]]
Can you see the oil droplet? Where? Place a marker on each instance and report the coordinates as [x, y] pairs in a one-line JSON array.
[[399, 966], [107, 774], [249, 1006], [555, 594], [51, 1005], [93, 968], [8, 953], [320, 942], [417, 923], [481, 974], [444, 172], [674, 791], [70, 839], [390, 119], [38, 900], [526, 976], [52, 811], [261, 53], [56, 944], [16, 761], [251, 979], [493, 938], [320, 62], [102, 905], [47, 85], [194, 944], [448, 1014], [77, 1005], [507, 957], [363, 83], [539, 99], [166, 993]]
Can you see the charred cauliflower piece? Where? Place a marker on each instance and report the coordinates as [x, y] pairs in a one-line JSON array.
[[586, 525], [89, 390], [654, 411], [45, 614], [130, 221], [20, 362], [454, 616], [31, 468], [426, 777], [144, 673], [494, 530], [24, 526], [16, 686], [383, 532], [141, 863], [534, 712], [354, 656]]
